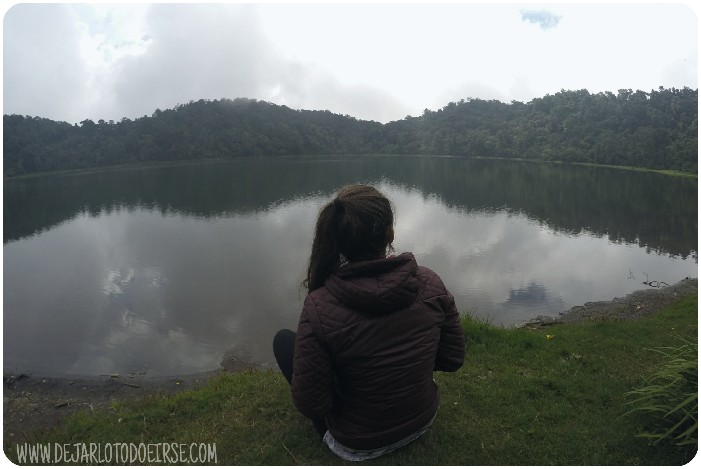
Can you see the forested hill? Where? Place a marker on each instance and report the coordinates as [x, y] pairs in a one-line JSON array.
[[656, 130]]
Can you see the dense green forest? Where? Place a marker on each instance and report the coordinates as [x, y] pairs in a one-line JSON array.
[[657, 130]]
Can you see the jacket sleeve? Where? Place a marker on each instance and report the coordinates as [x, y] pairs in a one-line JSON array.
[[451, 348], [312, 382]]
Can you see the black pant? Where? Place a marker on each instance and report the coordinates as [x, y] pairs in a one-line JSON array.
[[283, 349]]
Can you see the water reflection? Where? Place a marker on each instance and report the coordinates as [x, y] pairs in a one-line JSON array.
[[144, 291], [655, 211], [164, 271], [531, 297], [494, 262]]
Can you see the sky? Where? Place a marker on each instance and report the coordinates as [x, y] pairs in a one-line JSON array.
[[382, 62]]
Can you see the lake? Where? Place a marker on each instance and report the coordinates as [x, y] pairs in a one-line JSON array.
[[162, 270]]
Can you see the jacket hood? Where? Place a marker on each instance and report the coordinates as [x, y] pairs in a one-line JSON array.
[[378, 286]]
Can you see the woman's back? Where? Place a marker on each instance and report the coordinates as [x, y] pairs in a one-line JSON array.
[[380, 323], [372, 331]]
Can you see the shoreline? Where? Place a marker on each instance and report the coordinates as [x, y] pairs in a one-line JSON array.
[[155, 164], [637, 304], [37, 403]]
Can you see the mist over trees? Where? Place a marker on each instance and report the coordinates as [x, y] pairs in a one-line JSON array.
[[657, 130]]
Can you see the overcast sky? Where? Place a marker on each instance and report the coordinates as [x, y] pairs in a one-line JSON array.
[[378, 62]]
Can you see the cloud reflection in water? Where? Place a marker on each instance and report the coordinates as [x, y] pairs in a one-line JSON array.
[[149, 289]]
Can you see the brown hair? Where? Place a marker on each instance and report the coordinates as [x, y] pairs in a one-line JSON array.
[[356, 225]]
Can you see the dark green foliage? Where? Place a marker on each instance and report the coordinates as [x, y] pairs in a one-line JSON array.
[[656, 130], [671, 395], [198, 130]]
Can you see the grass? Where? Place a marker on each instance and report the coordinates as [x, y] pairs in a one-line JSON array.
[[672, 394], [668, 172], [554, 396]]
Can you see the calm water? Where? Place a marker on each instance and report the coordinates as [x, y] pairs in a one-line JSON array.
[[163, 270]]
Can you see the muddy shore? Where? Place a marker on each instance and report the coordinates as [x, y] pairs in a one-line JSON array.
[[32, 403]]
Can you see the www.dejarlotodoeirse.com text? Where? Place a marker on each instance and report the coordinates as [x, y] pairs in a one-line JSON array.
[[117, 453]]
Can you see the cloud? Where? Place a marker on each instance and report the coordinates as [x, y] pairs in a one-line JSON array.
[[194, 52], [305, 86], [94, 61], [544, 18], [43, 71], [76, 62], [221, 51], [681, 72]]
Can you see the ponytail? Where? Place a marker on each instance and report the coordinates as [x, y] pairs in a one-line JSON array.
[[355, 226], [326, 256]]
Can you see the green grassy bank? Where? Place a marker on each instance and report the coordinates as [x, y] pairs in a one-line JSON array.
[[668, 172], [524, 397]]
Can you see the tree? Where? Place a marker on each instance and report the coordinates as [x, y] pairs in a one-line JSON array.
[[656, 130]]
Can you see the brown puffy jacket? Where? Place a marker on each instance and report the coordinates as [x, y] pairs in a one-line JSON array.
[[367, 344]]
